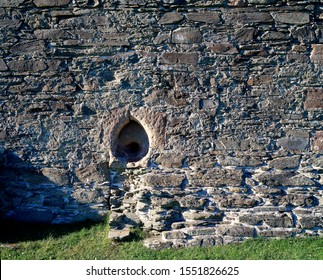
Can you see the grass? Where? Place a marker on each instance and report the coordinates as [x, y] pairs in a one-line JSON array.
[[89, 241]]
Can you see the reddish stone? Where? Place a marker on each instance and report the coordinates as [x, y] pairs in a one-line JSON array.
[[225, 48], [314, 99], [317, 54], [318, 142]]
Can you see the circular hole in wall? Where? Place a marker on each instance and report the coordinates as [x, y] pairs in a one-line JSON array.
[[132, 143]]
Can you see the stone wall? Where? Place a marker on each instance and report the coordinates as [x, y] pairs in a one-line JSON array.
[[223, 101]]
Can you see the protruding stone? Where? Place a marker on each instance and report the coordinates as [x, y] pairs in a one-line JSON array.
[[186, 35], [285, 162], [119, 234]]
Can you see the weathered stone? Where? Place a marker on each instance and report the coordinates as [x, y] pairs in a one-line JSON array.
[[268, 190], [297, 200], [164, 202], [245, 35], [271, 219], [171, 18], [92, 173], [240, 161], [10, 23], [157, 243], [50, 34], [11, 3], [318, 142], [309, 221], [317, 54], [186, 35], [292, 18], [192, 202], [202, 215], [167, 235], [237, 201], [3, 66], [275, 233], [248, 18], [287, 179], [285, 162], [314, 99], [262, 2], [223, 177], [57, 176], [171, 160], [30, 47], [89, 195], [51, 3], [207, 17], [179, 58], [223, 48], [235, 231], [295, 140], [119, 234], [304, 34], [27, 66], [163, 180], [274, 35], [200, 231]]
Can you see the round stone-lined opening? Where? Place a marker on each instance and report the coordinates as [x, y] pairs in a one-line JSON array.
[[132, 143]]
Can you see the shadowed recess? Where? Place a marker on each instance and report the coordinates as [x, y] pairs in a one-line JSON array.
[[132, 143]]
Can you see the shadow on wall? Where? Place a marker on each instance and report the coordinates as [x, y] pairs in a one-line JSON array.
[[28, 195], [13, 232]]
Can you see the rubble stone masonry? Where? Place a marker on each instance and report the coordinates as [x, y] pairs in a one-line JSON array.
[[200, 121]]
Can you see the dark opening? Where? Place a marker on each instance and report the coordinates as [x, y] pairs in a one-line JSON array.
[[132, 143]]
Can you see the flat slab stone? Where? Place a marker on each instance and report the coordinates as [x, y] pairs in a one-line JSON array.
[[51, 3], [119, 235], [298, 18]]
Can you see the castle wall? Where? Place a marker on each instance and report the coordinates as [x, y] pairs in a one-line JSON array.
[[223, 101]]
